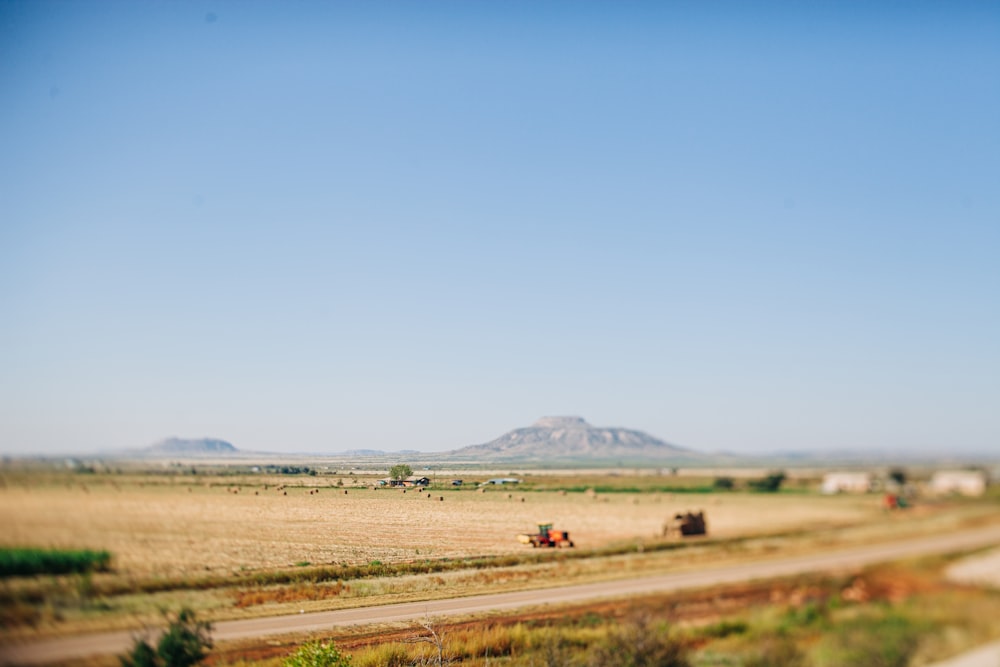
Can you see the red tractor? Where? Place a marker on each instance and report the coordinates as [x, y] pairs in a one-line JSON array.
[[546, 537]]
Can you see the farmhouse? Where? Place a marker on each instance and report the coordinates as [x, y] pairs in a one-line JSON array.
[[410, 481], [962, 482], [847, 482]]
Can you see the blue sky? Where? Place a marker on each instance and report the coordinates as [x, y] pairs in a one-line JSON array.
[[324, 226]]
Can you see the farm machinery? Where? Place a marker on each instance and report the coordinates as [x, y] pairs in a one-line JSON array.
[[684, 524], [546, 537]]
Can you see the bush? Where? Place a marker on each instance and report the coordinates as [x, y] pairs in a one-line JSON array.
[[640, 643], [317, 654], [185, 643], [141, 655]]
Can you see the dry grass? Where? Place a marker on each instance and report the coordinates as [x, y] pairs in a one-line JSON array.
[[283, 594], [232, 547], [182, 529]]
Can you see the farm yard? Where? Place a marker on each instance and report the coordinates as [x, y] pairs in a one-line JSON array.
[[184, 527]]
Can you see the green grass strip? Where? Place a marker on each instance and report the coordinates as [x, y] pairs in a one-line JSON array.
[[20, 562]]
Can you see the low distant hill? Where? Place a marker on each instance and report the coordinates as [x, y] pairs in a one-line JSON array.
[[573, 440], [192, 447]]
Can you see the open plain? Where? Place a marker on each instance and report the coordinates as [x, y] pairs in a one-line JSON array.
[[251, 547], [183, 527]]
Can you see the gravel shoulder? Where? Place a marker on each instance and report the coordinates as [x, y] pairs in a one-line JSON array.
[[979, 570]]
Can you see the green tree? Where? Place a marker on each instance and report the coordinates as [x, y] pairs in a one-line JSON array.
[[317, 654], [400, 471], [724, 483], [185, 642], [769, 484]]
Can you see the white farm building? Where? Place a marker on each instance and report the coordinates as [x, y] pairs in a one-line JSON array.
[[962, 482], [847, 482]]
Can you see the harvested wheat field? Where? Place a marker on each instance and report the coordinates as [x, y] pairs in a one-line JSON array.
[[172, 529]]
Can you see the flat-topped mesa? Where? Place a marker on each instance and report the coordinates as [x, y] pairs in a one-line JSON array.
[[561, 422], [571, 439]]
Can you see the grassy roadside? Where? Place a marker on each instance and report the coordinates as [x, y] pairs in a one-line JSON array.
[[901, 614], [895, 614]]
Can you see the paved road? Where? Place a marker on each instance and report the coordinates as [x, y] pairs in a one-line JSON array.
[[58, 650]]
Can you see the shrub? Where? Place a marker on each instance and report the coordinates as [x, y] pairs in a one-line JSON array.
[[317, 654], [640, 643], [185, 643], [141, 655]]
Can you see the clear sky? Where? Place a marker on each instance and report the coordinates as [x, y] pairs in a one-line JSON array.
[[319, 226]]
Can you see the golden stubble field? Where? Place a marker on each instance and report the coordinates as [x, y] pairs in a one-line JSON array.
[[180, 529]]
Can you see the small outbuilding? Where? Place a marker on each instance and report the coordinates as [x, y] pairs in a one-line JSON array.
[[961, 482], [847, 482]]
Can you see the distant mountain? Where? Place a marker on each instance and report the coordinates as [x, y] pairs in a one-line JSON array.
[[192, 447], [380, 452], [573, 440]]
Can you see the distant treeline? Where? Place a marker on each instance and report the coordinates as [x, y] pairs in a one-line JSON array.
[[659, 488], [290, 470], [15, 562]]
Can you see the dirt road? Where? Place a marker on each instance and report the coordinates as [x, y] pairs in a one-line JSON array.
[[60, 650]]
